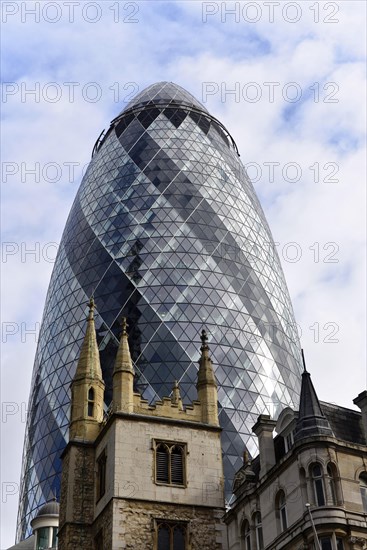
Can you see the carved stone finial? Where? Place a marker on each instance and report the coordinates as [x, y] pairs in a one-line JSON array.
[[124, 326], [176, 395], [204, 340], [91, 308]]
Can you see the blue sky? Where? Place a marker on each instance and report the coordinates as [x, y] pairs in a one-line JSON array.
[[317, 218]]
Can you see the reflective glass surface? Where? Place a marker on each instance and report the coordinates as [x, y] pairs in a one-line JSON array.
[[166, 230]]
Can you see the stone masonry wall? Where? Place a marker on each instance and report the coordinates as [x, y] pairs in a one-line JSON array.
[[104, 524], [77, 498], [133, 526]]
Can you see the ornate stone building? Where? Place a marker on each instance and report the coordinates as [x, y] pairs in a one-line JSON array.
[[140, 476], [307, 488]]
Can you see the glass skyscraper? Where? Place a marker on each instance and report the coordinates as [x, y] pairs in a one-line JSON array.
[[166, 230]]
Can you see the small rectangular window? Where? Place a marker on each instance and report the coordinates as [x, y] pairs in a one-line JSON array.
[[54, 537], [364, 497], [43, 536], [283, 516], [101, 474]]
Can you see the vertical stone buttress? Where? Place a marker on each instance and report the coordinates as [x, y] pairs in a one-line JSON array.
[[207, 385]]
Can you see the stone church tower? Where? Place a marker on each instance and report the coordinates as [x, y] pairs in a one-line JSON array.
[[141, 476]]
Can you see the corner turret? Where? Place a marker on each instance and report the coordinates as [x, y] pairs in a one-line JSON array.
[[87, 387], [311, 420]]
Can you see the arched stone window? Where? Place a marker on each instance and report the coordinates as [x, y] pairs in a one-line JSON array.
[[331, 542], [363, 489], [246, 535], [171, 535], [281, 508], [259, 531], [318, 483], [331, 475], [303, 485], [170, 463]]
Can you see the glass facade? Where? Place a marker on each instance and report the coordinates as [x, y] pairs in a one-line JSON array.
[[166, 230]]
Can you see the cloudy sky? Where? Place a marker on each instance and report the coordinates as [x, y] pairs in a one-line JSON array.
[[288, 81]]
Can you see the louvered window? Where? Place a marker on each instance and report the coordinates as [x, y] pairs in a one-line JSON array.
[[170, 463], [177, 465], [162, 462]]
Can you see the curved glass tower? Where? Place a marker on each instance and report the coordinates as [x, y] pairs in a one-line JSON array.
[[166, 230]]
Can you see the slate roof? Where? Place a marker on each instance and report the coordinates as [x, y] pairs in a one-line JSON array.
[[345, 423], [311, 420], [27, 544]]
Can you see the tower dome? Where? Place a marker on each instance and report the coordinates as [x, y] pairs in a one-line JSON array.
[[45, 526], [165, 230], [51, 508]]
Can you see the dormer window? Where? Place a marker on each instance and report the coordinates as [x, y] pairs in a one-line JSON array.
[[285, 427], [289, 441]]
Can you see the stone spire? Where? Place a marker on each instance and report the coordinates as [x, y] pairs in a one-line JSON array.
[[89, 364], [207, 385], [123, 375], [311, 420], [176, 396], [87, 387]]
